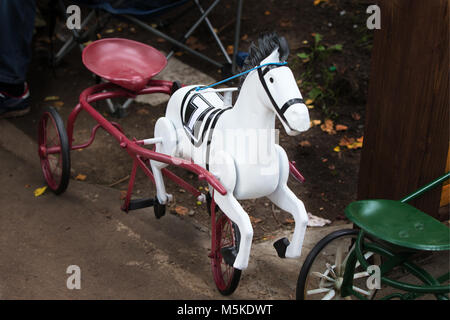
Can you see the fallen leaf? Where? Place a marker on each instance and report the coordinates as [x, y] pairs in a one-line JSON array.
[[341, 127], [80, 177], [58, 104], [328, 127], [244, 37], [337, 149], [356, 116], [310, 106], [289, 221], [345, 141], [162, 40], [317, 2], [285, 23], [109, 30], [179, 53], [315, 123], [309, 101], [182, 211], [27, 186], [267, 13], [255, 220], [143, 112], [40, 191], [123, 194], [51, 98], [230, 49], [332, 167], [305, 144]]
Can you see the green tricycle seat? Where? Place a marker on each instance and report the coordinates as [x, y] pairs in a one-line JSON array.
[[400, 224]]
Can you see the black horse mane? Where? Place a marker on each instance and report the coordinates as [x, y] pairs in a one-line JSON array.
[[267, 43]]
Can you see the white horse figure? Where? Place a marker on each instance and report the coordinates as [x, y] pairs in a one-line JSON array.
[[200, 124]]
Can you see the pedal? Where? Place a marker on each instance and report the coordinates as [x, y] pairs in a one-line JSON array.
[[229, 255], [159, 209], [140, 204], [281, 246]]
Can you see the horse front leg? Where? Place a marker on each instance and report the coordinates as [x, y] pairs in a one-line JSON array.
[[165, 130], [286, 200], [223, 167]]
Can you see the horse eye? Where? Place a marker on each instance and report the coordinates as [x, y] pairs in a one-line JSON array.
[[271, 79]]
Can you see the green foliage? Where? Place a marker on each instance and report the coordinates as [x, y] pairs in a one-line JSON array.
[[319, 74]]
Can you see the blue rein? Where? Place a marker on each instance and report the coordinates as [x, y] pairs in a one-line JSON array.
[[241, 74]]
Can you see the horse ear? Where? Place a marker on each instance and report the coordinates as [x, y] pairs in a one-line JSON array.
[[283, 49]]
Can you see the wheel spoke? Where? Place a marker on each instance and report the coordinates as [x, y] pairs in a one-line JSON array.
[[364, 292], [317, 291], [330, 295], [360, 275], [367, 255], [338, 260], [330, 268], [322, 276]]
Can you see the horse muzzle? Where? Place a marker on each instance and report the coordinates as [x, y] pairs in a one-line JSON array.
[[297, 118]]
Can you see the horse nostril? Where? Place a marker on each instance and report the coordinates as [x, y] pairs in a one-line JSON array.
[[271, 80]]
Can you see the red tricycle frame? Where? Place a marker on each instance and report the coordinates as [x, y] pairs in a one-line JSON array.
[[224, 231]]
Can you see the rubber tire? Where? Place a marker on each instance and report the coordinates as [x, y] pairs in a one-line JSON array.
[[301, 282], [234, 282], [65, 150]]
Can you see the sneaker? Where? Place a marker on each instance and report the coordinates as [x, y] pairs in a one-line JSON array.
[[11, 106]]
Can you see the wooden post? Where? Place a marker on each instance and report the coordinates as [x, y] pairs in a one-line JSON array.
[[407, 119]]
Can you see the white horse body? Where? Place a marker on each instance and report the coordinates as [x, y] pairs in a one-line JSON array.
[[237, 145]]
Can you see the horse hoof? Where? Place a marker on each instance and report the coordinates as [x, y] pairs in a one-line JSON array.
[[229, 255], [281, 246], [159, 209]]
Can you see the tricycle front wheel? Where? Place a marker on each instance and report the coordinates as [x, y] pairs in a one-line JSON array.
[[322, 273], [54, 150], [226, 245]]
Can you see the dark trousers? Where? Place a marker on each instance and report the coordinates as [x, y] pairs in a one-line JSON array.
[[16, 32]]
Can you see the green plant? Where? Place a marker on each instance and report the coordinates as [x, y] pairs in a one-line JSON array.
[[318, 76]]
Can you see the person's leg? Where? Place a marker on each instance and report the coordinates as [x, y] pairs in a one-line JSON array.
[[16, 25]]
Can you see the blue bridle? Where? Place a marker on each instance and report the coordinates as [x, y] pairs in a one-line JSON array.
[[279, 64]]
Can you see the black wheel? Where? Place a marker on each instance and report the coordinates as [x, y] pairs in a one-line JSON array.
[[322, 273], [223, 254], [54, 150]]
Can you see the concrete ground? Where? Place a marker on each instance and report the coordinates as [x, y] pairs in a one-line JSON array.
[[121, 256]]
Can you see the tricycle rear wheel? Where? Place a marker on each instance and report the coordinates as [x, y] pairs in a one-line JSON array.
[[322, 273], [54, 150]]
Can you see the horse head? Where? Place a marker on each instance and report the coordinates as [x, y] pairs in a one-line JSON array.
[[276, 85]]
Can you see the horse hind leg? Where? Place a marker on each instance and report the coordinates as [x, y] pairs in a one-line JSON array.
[[165, 130], [286, 200]]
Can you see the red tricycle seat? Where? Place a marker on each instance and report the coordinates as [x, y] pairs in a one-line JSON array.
[[127, 63]]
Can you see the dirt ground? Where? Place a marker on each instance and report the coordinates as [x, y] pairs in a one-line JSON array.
[[331, 177]]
